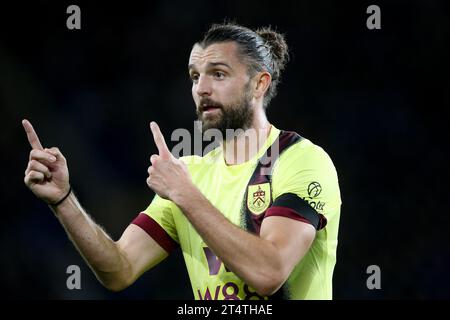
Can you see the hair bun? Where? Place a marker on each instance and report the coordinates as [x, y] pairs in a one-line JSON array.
[[278, 45]]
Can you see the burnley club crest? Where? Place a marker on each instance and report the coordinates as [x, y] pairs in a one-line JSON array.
[[258, 198]]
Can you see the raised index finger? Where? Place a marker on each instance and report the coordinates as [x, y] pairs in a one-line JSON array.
[[159, 141], [31, 135]]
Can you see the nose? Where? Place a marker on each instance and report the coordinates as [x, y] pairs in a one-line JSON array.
[[203, 86]]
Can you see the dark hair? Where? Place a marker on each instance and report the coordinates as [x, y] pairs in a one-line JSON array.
[[263, 49]]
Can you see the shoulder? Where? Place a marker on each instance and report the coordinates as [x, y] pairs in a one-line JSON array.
[[307, 170], [304, 155]]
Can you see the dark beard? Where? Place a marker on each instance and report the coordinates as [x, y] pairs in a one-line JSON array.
[[235, 116]]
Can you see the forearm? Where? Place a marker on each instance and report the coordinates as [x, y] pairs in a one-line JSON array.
[[96, 247], [253, 259]]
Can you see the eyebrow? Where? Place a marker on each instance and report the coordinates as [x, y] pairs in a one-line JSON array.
[[211, 64]]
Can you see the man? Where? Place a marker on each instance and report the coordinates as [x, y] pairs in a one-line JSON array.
[[256, 224]]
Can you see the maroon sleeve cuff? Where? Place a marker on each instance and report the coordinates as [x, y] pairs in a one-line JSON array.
[[155, 231]]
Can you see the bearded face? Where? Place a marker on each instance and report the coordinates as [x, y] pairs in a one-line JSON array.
[[221, 87], [237, 114]]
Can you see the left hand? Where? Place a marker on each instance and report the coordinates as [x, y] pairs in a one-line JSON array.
[[167, 176]]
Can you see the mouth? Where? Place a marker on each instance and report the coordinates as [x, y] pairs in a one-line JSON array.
[[206, 109], [209, 108]]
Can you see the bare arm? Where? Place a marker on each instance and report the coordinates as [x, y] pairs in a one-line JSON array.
[[115, 264]]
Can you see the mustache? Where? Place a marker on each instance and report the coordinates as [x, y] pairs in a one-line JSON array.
[[207, 102]]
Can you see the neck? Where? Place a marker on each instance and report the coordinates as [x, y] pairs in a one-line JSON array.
[[244, 146]]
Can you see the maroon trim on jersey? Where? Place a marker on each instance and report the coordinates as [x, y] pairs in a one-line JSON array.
[[155, 231], [287, 213], [284, 140]]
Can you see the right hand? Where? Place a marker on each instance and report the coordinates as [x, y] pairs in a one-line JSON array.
[[47, 175]]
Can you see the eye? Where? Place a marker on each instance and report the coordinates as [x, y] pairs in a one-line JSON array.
[[219, 74], [194, 77]]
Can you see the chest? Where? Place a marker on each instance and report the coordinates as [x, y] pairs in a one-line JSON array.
[[225, 189]]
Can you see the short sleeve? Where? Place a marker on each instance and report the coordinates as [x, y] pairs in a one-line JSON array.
[[305, 185], [157, 220]]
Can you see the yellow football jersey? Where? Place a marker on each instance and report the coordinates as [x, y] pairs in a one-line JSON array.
[[303, 185]]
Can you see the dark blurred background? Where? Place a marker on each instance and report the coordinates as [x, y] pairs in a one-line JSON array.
[[376, 100]]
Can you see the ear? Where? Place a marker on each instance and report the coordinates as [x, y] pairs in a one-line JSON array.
[[262, 83]]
